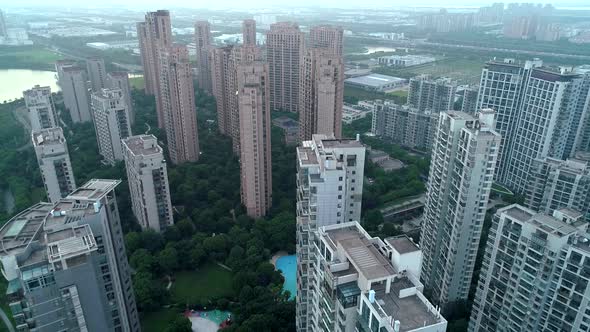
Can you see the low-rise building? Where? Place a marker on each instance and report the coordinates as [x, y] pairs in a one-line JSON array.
[[405, 60], [376, 82], [290, 128]]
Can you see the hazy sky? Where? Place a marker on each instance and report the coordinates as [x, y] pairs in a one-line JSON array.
[[262, 3]]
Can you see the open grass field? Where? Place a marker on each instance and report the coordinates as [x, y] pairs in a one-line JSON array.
[[198, 286], [157, 321], [137, 82], [465, 71], [27, 57]]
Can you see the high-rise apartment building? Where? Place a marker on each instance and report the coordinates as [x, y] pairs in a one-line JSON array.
[[469, 104], [249, 32], [554, 184], [404, 125], [321, 93], [255, 150], [53, 157], [363, 283], [426, 94], [60, 65], [3, 31], [553, 105], [284, 47], [147, 176], [75, 92], [535, 273], [120, 80], [329, 191], [66, 264], [464, 156], [178, 101], [223, 86], [328, 37], [40, 107], [111, 122], [203, 45], [501, 88], [97, 73], [155, 37], [581, 110]]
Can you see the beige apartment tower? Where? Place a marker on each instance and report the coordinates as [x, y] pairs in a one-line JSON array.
[[178, 101], [203, 44], [223, 85], [327, 36], [75, 93], [255, 150], [40, 107], [97, 73], [284, 44], [249, 32], [53, 157], [111, 121], [155, 36], [321, 94], [148, 182]]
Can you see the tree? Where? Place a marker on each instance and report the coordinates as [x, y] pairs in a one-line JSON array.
[[168, 259], [149, 293], [142, 260], [180, 324]]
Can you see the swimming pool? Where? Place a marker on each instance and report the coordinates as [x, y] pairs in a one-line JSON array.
[[288, 267]]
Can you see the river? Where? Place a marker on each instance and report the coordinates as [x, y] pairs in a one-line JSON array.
[[14, 81]]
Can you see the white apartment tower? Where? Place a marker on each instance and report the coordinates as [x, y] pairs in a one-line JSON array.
[[54, 162], [329, 191], [42, 114], [434, 95], [148, 182], [464, 156], [120, 80], [111, 121], [365, 284], [75, 92], [535, 273]]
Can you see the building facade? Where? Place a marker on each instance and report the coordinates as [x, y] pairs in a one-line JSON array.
[[284, 46], [223, 81], [534, 275], [362, 283], [120, 80], [112, 124], [328, 37], [75, 93], [554, 184], [464, 156], [41, 109], [178, 102], [255, 149], [147, 176], [53, 157], [97, 73], [469, 104], [329, 191], [203, 44], [321, 94], [404, 125], [66, 264], [249, 32], [436, 96]]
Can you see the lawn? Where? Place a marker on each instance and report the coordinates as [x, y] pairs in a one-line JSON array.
[[27, 57], [137, 82], [209, 281], [157, 321]]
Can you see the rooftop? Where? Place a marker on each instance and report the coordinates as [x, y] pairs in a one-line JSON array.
[[402, 244], [48, 136], [18, 232], [411, 311], [361, 252], [143, 145], [375, 80], [543, 221]]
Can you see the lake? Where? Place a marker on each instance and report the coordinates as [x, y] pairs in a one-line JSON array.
[[14, 81]]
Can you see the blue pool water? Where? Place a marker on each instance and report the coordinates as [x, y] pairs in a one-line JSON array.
[[288, 267]]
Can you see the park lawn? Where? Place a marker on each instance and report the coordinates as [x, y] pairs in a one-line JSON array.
[[208, 281], [137, 82], [27, 57], [157, 321], [462, 69]]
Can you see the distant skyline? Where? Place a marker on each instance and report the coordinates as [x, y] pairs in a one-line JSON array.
[[152, 4]]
